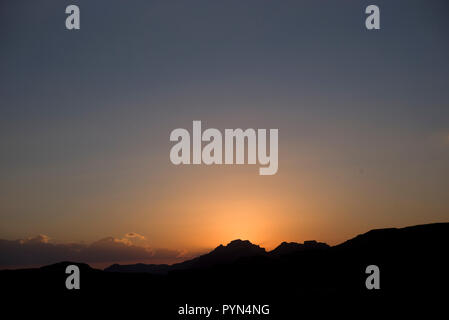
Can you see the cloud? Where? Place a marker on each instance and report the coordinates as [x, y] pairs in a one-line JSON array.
[[40, 251], [42, 238]]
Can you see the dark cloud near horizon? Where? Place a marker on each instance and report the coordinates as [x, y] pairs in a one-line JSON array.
[[40, 251]]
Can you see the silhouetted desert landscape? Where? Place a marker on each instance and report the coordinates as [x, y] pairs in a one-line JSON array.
[[412, 261]]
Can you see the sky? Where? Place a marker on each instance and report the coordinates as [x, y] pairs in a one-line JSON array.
[[86, 116]]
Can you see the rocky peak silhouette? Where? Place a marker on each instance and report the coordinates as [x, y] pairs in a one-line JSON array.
[[292, 247], [239, 247]]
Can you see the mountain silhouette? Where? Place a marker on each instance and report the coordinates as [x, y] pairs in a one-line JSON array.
[[311, 276], [140, 267], [408, 238], [292, 247], [233, 251]]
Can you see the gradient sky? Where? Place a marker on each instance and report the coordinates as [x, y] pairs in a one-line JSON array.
[[85, 119]]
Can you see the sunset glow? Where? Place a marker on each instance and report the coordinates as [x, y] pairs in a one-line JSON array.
[[361, 116]]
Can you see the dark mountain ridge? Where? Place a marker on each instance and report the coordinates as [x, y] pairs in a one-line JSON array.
[[412, 262], [413, 237], [233, 251]]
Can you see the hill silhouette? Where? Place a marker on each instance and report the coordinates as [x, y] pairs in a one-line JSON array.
[[235, 250], [220, 255], [413, 267]]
